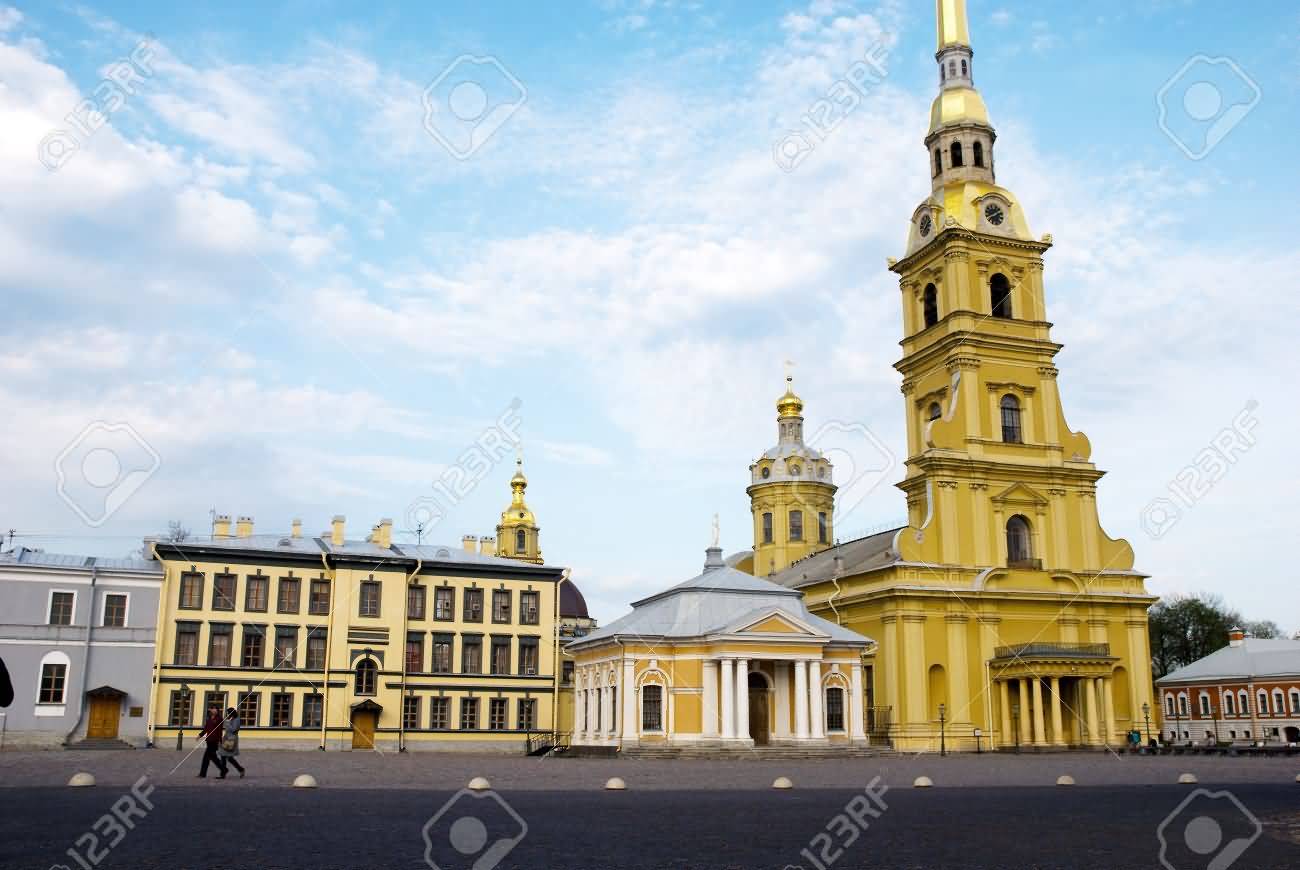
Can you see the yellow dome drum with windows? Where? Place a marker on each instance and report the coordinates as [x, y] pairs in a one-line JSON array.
[[517, 534]]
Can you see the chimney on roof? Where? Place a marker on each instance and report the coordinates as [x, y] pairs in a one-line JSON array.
[[713, 559], [469, 543], [296, 528], [147, 551], [221, 526], [336, 530], [384, 533], [487, 545], [839, 566], [1236, 637], [244, 527]]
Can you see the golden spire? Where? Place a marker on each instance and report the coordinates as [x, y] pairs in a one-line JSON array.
[[518, 483], [789, 405], [953, 26]]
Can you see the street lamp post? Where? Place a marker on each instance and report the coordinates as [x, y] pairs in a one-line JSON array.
[[1146, 714], [1178, 704], [1015, 715], [943, 746], [1214, 716]]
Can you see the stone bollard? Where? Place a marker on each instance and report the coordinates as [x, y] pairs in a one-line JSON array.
[[81, 780], [1065, 779], [923, 782], [1188, 779], [304, 780], [479, 783], [782, 782], [615, 784]]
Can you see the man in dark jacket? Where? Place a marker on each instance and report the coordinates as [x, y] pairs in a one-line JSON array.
[[6, 687], [211, 734]]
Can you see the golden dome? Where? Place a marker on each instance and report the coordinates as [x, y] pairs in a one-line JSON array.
[[958, 106], [519, 481], [789, 405]]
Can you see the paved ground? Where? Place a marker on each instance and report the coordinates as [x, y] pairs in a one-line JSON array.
[[372, 812]]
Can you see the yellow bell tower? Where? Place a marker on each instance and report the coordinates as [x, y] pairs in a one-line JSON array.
[[791, 494], [517, 533]]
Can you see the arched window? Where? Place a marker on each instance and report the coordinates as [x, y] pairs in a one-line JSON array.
[[652, 707], [1205, 705], [1261, 700], [978, 149], [53, 687], [367, 674], [930, 302], [1183, 709], [943, 73], [796, 525], [1000, 296], [936, 411], [938, 161], [1295, 701], [964, 69], [957, 159], [521, 540], [1279, 704], [1243, 702], [1229, 704], [1169, 705], [952, 67], [1018, 545], [1011, 431], [766, 473], [834, 709], [767, 528]]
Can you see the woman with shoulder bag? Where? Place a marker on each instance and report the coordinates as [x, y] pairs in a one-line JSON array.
[[230, 742]]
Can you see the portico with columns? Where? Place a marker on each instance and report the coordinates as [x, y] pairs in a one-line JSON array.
[[1055, 695], [724, 659]]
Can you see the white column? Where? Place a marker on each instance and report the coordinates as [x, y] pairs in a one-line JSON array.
[[606, 710], [709, 707], [627, 697], [781, 728], [742, 699], [728, 701], [801, 700], [858, 730], [579, 713], [817, 719]]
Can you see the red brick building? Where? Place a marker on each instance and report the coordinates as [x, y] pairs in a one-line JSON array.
[[1246, 693]]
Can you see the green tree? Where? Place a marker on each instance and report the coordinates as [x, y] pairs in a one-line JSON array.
[[1265, 629], [1186, 628]]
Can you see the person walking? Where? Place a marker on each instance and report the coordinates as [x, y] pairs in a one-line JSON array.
[[211, 734], [230, 743]]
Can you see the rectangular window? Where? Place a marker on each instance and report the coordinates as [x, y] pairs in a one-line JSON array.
[[528, 657], [416, 598], [313, 710], [823, 530], [281, 710], [471, 654], [290, 590], [191, 591], [1205, 705], [249, 708], [54, 680], [767, 528], [286, 647], [468, 714], [500, 655], [440, 713], [410, 712], [652, 707], [214, 699], [255, 591], [834, 709], [473, 605], [223, 592], [115, 610], [220, 639], [368, 600], [497, 714], [61, 607], [530, 607], [566, 673], [187, 643], [316, 638], [253, 652], [415, 652], [796, 525], [444, 607], [441, 663], [527, 714], [318, 598], [501, 605], [180, 708]]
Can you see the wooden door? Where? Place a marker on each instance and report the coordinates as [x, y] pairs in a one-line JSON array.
[[363, 729], [103, 718], [758, 728]]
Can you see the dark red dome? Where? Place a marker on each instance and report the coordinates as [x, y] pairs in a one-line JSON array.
[[572, 603]]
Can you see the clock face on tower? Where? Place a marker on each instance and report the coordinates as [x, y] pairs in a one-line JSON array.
[[994, 214], [926, 225]]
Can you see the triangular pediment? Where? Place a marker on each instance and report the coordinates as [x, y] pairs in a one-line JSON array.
[[773, 622], [1020, 494]]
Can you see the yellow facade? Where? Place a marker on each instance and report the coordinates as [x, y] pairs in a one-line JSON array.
[[400, 625], [1002, 608]]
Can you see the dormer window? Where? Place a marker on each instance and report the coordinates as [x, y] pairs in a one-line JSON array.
[[767, 472]]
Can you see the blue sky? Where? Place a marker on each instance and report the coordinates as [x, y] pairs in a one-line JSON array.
[[267, 266]]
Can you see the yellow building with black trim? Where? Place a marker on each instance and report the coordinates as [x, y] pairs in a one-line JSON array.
[[341, 643]]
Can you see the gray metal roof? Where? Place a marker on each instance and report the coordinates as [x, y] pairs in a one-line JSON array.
[[1255, 658], [37, 559], [717, 601], [314, 546], [864, 554]]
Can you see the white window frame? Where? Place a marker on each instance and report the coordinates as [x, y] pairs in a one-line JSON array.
[[103, 608], [1295, 700], [1243, 702], [1169, 705], [1204, 699], [844, 707], [1184, 706], [53, 708], [49, 607]]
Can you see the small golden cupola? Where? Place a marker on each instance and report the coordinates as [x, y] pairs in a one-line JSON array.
[[517, 533], [791, 494]]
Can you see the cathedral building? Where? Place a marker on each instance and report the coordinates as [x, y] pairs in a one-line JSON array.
[[1003, 613]]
